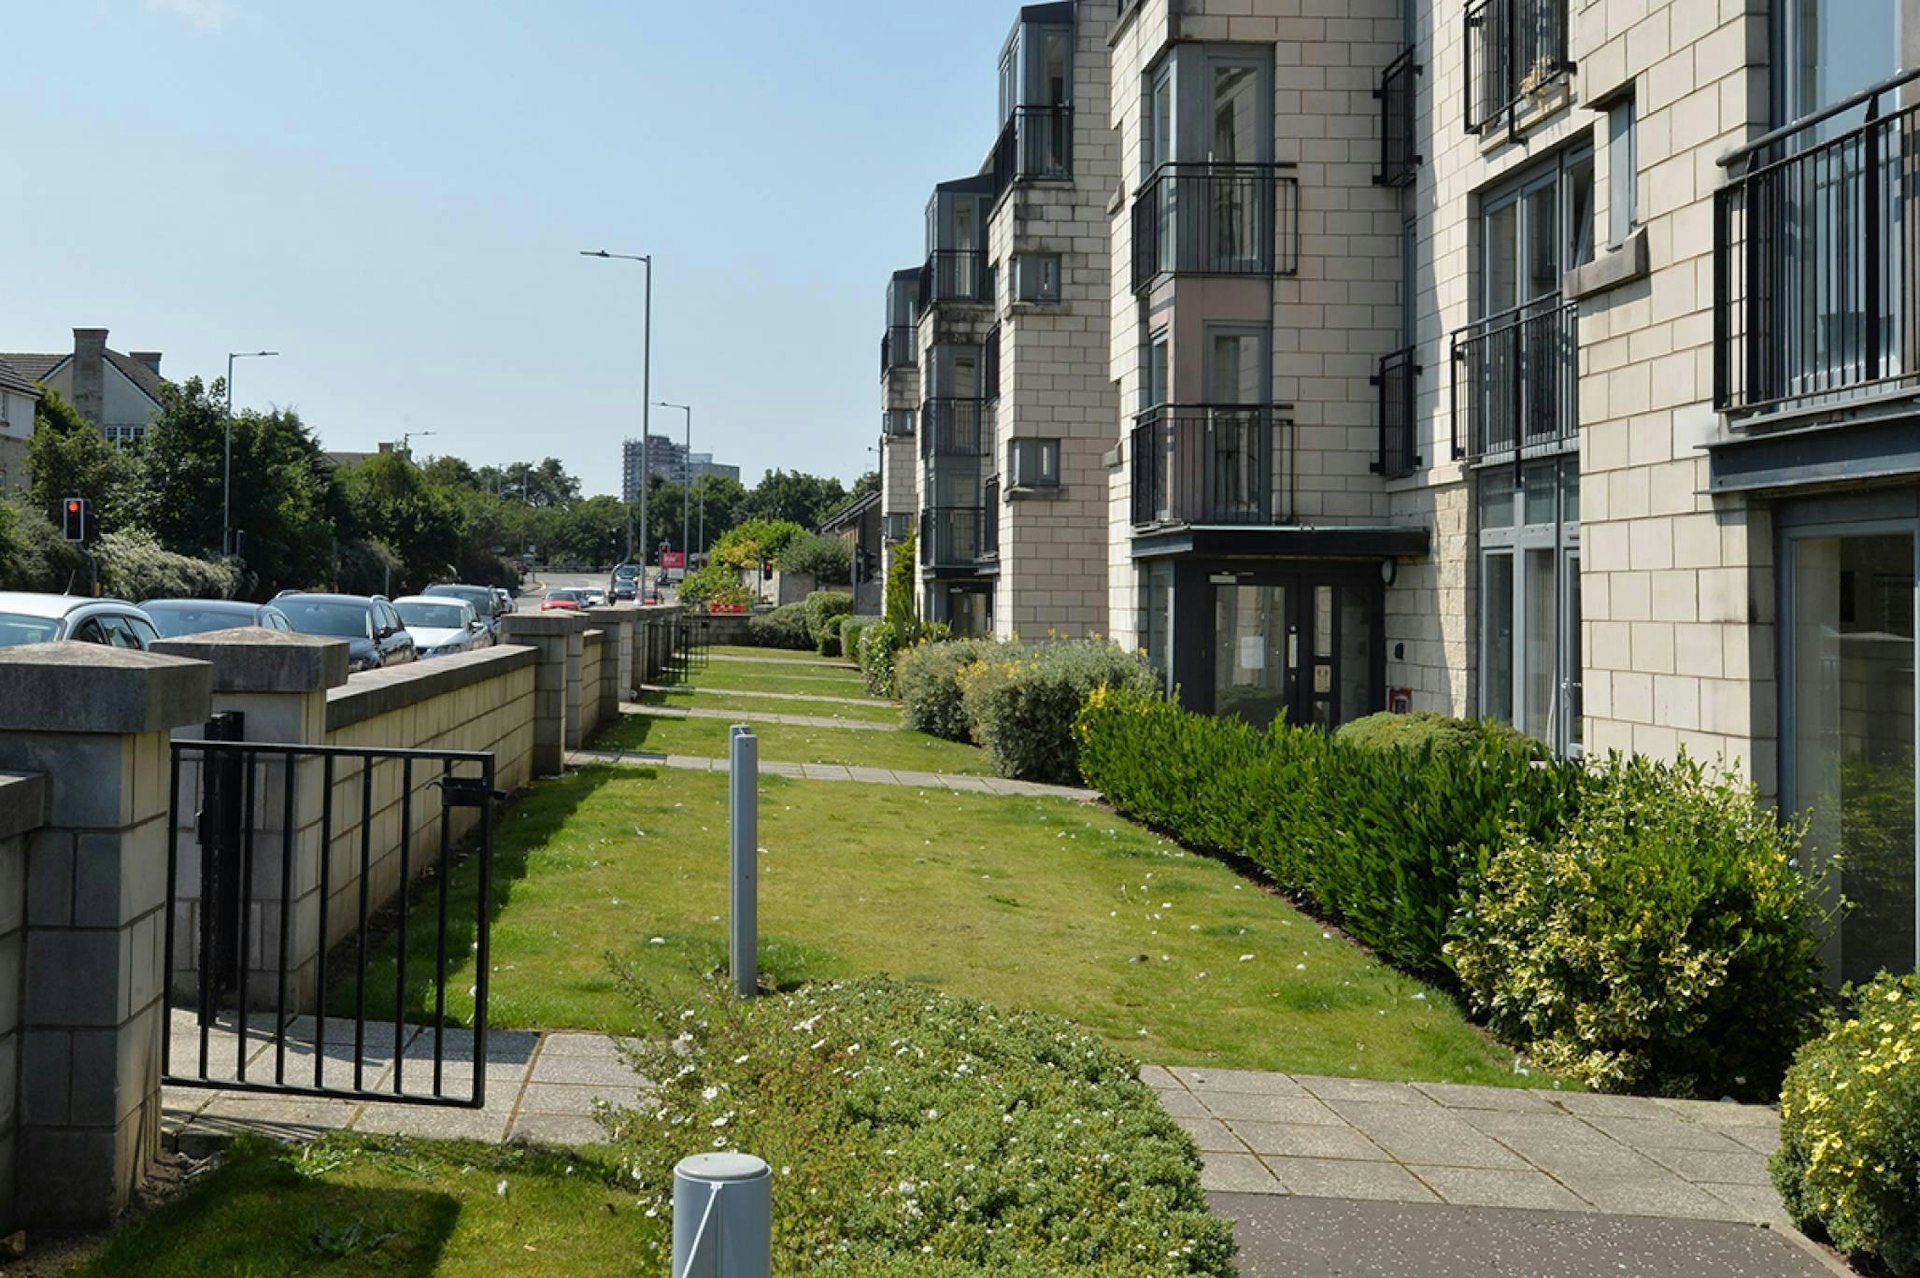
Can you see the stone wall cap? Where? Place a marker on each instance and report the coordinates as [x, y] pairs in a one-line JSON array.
[[86, 688], [255, 659], [23, 802], [543, 623], [376, 692]]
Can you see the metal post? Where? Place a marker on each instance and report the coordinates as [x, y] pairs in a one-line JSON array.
[[743, 792], [722, 1217]]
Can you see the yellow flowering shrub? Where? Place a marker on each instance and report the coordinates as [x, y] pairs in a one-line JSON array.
[[1849, 1160]]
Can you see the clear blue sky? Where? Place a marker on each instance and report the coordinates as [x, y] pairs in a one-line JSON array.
[[393, 194]]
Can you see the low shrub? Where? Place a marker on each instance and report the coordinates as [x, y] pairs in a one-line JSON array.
[[1021, 702], [824, 608], [825, 559], [881, 644], [851, 628], [1666, 940], [928, 678], [916, 1133], [784, 627], [1388, 731], [1849, 1158], [714, 583], [135, 566]]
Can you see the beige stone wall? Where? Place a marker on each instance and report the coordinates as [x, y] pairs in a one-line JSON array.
[[15, 824], [592, 674]]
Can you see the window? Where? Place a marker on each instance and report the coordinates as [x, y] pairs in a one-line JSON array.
[[897, 423], [1036, 277], [1034, 463], [1156, 621], [1623, 206], [1153, 386], [1530, 599]]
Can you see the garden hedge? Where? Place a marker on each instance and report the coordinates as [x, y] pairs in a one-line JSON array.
[[784, 627], [823, 610], [928, 680]]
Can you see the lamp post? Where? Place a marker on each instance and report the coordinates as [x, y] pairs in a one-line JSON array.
[[226, 465], [686, 476], [646, 394], [406, 441]]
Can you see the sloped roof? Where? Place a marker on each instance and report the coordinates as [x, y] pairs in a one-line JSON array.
[[851, 512], [33, 367], [139, 374], [10, 379], [37, 368]]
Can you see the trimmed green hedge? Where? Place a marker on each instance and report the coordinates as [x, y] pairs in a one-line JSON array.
[[928, 679], [851, 629], [823, 610], [1849, 1158], [1388, 731], [784, 627], [912, 1132], [1021, 701], [1665, 941]]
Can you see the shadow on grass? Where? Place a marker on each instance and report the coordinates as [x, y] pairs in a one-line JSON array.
[[628, 732], [527, 823]]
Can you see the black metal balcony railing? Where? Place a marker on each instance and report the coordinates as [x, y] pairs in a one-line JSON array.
[[1035, 146], [990, 528], [1815, 239], [952, 536], [1212, 464], [1399, 148], [1216, 219], [899, 348], [1399, 434], [1516, 381], [955, 275], [955, 428], [1516, 49]]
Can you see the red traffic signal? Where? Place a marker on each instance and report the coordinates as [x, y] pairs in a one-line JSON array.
[[73, 522]]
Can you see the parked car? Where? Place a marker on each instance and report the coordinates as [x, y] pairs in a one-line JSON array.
[[38, 618], [176, 617], [625, 583], [442, 625], [565, 599], [591, 598], [368, 623], [480, 597], [502, 601]]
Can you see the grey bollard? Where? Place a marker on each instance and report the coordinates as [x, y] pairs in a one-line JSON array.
[[743, 794], [722, 1217]]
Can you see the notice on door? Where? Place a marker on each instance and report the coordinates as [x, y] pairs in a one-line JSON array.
[[1323, 679], [1253, 652]]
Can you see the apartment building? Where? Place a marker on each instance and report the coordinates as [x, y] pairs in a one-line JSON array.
[[998, 408], [1556, 361]]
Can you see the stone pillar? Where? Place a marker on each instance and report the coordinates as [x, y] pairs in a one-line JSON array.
[[556, 638], [95, 721], [279, 683], [618, 623], [23, 809]]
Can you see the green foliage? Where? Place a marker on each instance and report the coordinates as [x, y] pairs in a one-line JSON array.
[[68, 456], [714, 583], [795, 498], [750, 545], [901, 608], [825, 559], [135, 566], [823, 610], [1665, 941], [1387, 731], [393, 503], [1388, 843], [917, 1133], [1021, 702], [928, 678], [851, 629], [38, 558], [1849, 1158], [784, 627], [881, 644]]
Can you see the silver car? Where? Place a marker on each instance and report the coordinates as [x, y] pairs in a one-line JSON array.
[[36, 618]]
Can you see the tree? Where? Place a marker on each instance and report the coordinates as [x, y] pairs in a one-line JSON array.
[[69, 457], [753, 543], [392, 503], [795, 497], [826, 559], [901, 603], [592, 532]]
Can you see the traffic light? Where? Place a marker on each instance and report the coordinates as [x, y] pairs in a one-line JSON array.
[[74, 519]]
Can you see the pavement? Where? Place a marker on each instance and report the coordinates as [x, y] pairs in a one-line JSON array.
[[757, 716], [833, 772]]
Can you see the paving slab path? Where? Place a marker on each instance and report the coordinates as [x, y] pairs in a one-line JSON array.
[[833, 772], [756, 716], [770, 696]]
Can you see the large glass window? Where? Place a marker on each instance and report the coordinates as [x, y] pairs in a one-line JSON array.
[[1156, 621], [1850, 732], [1530, 599], [1252, 664], [1829, 49]]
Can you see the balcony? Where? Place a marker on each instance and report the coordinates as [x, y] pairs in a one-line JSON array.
[[955, 276], [1815, 236], [1516, 382], [899, 348], [1212, 464], [1397, 381], [896, 423], [1516, 51], [952, 536], [955, 428], [1216, 219], [1035, 146], [1399, 154]]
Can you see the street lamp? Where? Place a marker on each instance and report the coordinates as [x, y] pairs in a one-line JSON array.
[[406, 441], [686, 476], [226, 465], [646, 394]]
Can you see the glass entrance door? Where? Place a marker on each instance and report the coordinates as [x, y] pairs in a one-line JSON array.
[[1298, 647], [1851, 732]]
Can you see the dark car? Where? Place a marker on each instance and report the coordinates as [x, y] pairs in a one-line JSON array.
[[368, 623], [625, 583], [176, 617]]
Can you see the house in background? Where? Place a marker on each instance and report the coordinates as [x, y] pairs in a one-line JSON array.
[[18, 397], [118, 393], [857, 524]]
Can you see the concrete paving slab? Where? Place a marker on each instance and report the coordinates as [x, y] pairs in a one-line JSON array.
[[1182, 1104], [1702, 1166], [573, 1099], [564, 1044], [1240, 1174], [1340, 1178], [1158, 1077], [1660, 1133], [1366, 1091], [1660, 1193], [1427, 1136], [1212, 1136], [1282, 1237], [1251, 1082], [557, 1129], [1512, 1100], [1308, 1140], [1256, 1108], [600, 1071], [1484, 1187]]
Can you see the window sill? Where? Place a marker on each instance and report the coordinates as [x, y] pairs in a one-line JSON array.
[[1528, 113], [1617, 266], [1054, 493]]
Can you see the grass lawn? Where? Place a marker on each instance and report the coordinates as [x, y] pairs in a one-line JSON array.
[[861, 712], [349, 1205], [908, 751], [792, 656], [1037, 903], [817, 681]]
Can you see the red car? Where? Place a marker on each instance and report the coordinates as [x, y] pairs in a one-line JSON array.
[[563, 601]]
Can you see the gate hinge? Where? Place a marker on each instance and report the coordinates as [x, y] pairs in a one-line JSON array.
[[467, 792]]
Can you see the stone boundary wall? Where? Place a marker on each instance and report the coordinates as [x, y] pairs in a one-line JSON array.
[[593, 661], [23, 810]]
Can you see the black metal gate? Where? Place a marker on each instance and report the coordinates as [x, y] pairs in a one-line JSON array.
[[299, 880]]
